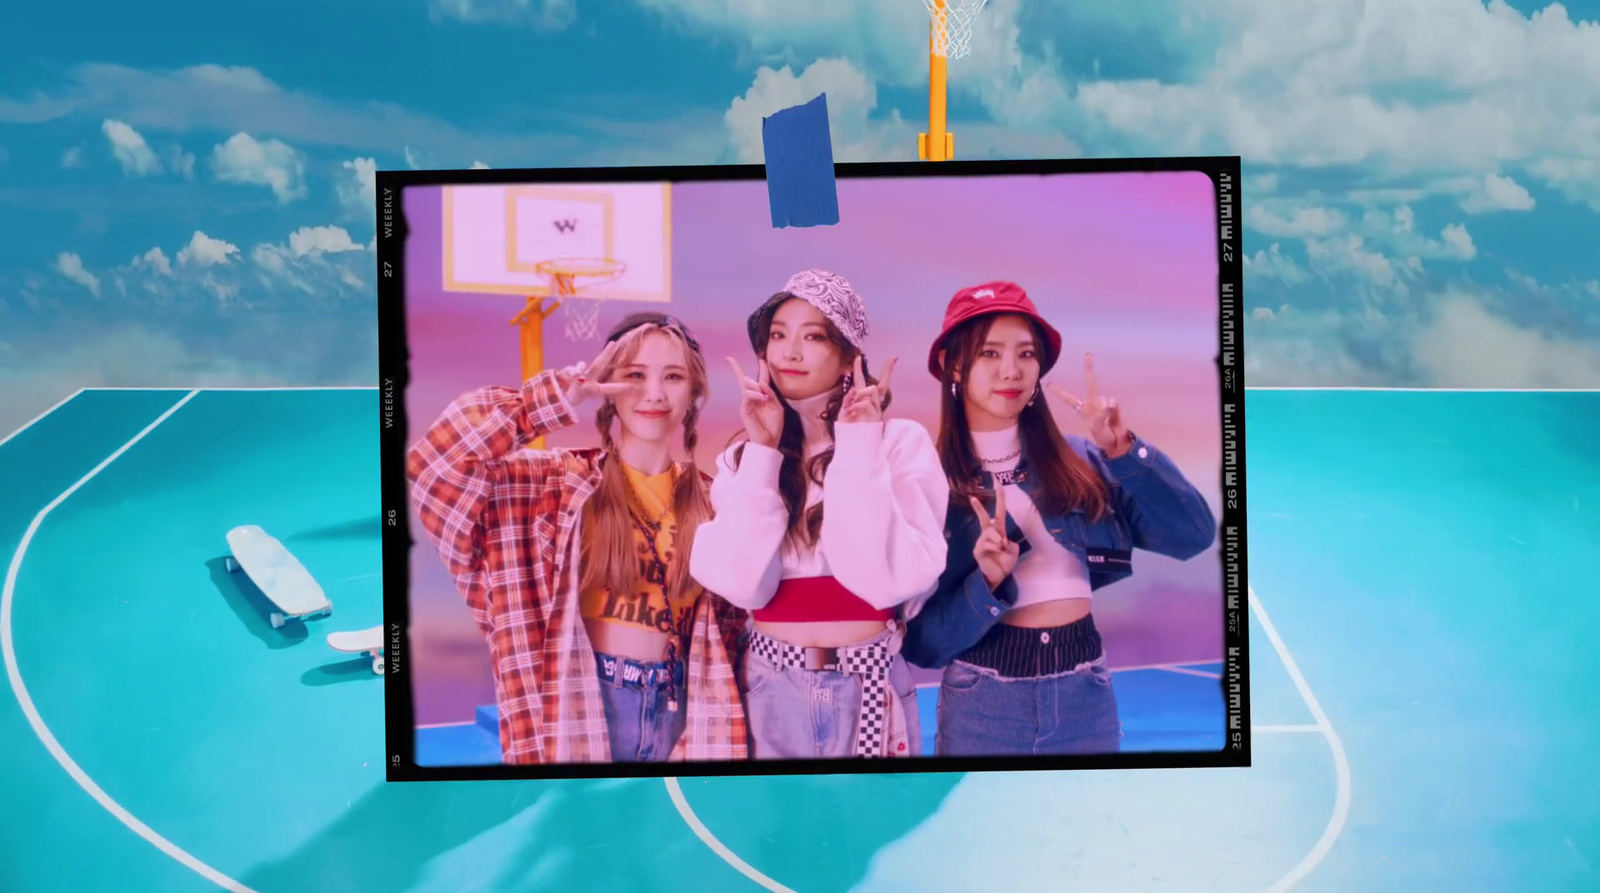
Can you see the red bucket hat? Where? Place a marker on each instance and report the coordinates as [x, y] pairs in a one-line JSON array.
[[984, 300]]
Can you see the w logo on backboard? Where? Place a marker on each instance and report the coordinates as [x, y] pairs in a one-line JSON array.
[[983, 293], [565, 226]]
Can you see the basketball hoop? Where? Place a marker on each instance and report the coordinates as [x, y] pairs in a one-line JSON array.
[[952, 25], [580, 315]]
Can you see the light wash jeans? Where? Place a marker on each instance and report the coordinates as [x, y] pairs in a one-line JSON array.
[[641, 728], [797, 714]]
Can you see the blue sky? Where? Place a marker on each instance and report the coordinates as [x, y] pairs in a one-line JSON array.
[[187, 186]]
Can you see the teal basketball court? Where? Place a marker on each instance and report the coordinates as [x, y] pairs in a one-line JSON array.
[[1426, 705]]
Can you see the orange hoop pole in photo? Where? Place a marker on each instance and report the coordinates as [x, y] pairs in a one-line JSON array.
[[531, 321], [937, 144]]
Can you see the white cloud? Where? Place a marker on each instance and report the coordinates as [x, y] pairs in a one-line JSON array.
[[324, 261], [358, 187], [1383, 245], [542, 15], [1466, 346], [1338, 82], [1300, 223], [72, 158], [211, 98], [271, 163], [1314, 349], [1497, 193], [478, 166], [71, 266], [886, 43], [1262, 313], [1576, 178], [320, 240], [180, 162], [155, 259], [851, 99], [131, 150], [1459, 242], [317, 260], [204, 251], [1350, 253], [1272, 263]]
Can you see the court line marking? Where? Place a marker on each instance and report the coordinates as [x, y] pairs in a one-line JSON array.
[[25, 701], [1341, 762], [40, 417], [1188, 672], [674, 790], [710, 840], [1308, 863]]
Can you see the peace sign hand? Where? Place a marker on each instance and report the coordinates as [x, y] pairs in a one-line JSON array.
[[580, 381], [759, 408], [996, 554], [1101, 413], [864, 402]]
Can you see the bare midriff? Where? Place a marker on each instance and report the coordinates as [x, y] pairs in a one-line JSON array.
[[1047, 615], [822, 633], [627, 640]]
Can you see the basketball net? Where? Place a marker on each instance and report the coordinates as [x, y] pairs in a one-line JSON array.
[[952, 25], [580, 315]]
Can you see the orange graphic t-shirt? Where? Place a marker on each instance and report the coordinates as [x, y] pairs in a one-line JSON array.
[[646, 606]]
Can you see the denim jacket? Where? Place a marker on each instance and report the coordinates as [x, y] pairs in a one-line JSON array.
[[1153, 508]]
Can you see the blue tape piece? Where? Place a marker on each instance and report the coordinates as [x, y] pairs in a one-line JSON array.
[[799, 155]]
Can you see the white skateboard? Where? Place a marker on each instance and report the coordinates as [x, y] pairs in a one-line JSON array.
[[278, 574], [369, 641]]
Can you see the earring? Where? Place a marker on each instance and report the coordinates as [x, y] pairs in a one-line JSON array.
[[847, 379], [1035, 395], [953, 391]]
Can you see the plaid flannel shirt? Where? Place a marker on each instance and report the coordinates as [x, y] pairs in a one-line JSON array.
[[504, 519]]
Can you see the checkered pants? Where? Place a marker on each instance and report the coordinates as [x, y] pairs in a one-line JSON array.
[[869, 662]]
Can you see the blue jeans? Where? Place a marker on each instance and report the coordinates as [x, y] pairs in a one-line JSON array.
[[797, 714], [641, 728], [983, 714]]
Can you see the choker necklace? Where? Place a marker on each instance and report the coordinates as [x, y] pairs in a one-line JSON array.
[[1006, 458]]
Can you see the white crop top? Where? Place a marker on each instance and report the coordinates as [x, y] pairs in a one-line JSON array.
[[1046, 572], [884, 499]]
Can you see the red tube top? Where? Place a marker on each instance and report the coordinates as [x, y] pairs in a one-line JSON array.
[[814, 600]]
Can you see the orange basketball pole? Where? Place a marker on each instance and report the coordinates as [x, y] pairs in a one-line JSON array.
[[937, 144], [531, 319]]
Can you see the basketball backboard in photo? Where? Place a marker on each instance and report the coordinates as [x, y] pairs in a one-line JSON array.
[[501, 239]]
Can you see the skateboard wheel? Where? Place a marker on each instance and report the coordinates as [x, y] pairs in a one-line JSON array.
[[277, 620], [377, 665], [231, 564]]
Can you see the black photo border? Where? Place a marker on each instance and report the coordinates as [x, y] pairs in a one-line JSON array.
[[392, 232]]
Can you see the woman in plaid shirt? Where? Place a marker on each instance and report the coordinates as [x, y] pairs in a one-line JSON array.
[[572, 560], [829, 519]]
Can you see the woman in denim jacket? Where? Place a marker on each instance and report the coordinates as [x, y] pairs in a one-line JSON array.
[[1038, 521]]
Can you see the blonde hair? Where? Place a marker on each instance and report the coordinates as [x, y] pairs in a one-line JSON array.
[[609, 558]]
